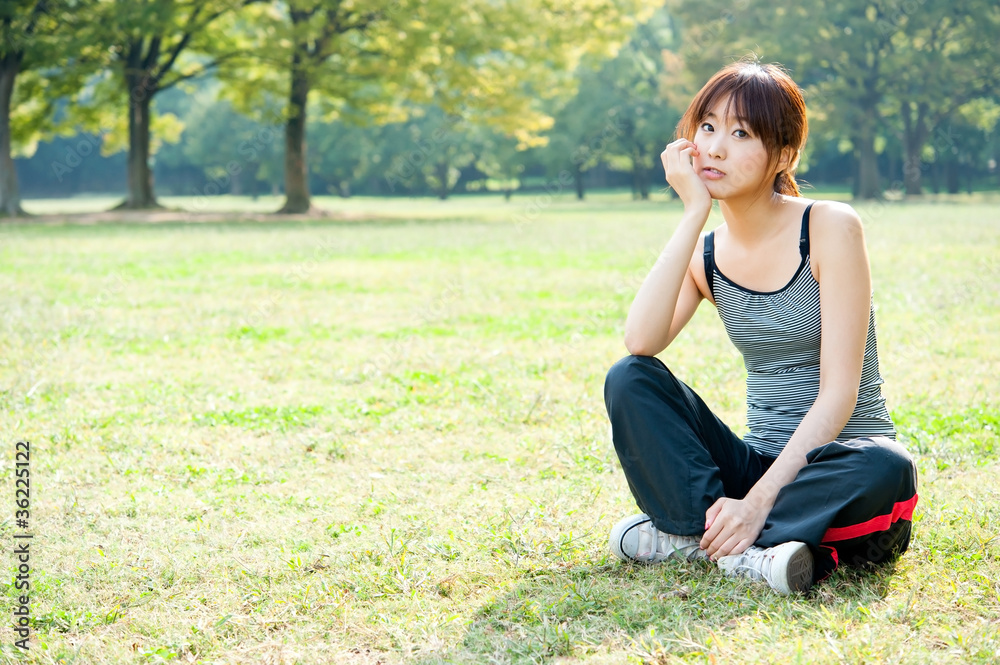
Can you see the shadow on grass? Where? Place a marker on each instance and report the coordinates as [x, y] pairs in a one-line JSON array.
[[676, 608]]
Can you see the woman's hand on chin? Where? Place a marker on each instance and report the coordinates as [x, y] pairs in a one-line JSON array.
[[682, 177]]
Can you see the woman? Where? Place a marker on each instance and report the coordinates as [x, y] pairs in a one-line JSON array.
[[819, 479]]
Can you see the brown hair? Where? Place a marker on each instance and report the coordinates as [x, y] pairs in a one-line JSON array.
[[768, 100]]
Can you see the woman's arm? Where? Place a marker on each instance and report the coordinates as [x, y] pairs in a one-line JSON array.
[[841, 260], [669, 295]]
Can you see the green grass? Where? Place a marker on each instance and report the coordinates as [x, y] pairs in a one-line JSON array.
[[385, 442]]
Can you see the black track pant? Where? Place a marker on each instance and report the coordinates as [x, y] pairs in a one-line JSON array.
[[852, 503]]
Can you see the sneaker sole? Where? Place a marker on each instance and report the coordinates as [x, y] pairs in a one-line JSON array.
[[618, 533], [798, 570]]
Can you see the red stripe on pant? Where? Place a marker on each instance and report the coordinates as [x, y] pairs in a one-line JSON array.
[[902, 510]]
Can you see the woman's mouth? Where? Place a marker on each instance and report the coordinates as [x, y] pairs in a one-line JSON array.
[[713, 173]]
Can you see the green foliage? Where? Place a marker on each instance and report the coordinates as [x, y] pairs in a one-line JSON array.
[[40, 46], [343, 155], [872, 71], [382, 60], [146, 47], [232, 151], [632, 85], [412, 97]]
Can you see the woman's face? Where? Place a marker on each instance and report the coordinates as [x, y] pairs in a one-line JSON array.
[[731, 161]]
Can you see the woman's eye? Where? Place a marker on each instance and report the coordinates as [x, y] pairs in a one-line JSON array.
[[706, 127], [741, 134]]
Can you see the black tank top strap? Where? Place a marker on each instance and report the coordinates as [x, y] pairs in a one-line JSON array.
[[710, 262], [804, 236]]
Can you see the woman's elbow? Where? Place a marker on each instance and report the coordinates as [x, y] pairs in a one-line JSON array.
[[639, 345], [839, 404]]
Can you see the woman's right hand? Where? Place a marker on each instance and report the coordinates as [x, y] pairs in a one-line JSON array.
[[682, 177]]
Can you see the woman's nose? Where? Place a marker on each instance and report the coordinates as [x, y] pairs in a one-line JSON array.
[[715, 147]]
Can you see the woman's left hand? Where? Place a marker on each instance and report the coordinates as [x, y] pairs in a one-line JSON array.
[[731, 526]]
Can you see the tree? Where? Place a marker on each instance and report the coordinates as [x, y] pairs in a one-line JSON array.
[[582, 133], [35, 35], [961, 143], [634, 82], [438, 147], [367, 59], [18, 23], [835, 51], [342, 155], [941, 60], [862, 63], [622, 114], [228, 151], [500, 158], [150, 46]]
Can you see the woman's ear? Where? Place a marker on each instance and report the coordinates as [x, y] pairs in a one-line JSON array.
[[789, 159]]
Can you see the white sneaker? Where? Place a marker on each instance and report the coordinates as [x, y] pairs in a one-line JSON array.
[[636, 540], [787, 567]]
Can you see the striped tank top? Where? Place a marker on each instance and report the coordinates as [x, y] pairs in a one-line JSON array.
[[778, 334]]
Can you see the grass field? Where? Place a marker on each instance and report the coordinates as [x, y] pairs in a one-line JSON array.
[[385, 442]]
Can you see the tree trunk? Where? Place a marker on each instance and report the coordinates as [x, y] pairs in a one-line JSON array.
[[936, 175], [140, 176], [912, 165], [297, 199], [578, 182], [864, 146], [868, 185], [641, 176], [914, 137], [892, 169], [441, 172], [10, 196], [951, 176], [855, 182]]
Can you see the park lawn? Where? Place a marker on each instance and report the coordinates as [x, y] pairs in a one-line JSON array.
[[385, 442]]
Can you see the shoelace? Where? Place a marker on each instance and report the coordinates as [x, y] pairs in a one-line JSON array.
[[652, 542], [754, 563]]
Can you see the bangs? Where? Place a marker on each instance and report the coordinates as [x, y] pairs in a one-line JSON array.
[[761, 97]]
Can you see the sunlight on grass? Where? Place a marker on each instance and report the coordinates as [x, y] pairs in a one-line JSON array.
[[385, 441]]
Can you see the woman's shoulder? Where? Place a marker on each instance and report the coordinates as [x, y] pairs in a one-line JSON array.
[[834, 217], [836, 234]]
